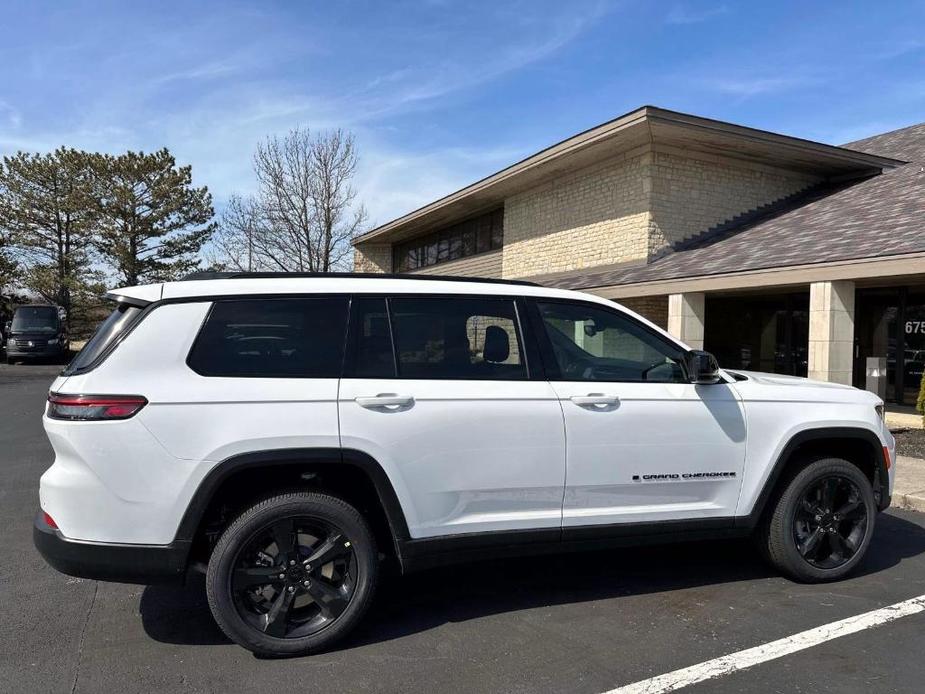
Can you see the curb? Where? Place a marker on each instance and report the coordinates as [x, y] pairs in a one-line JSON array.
[[909, 502]]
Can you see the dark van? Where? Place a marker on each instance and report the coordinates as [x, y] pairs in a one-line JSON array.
[[36, 332]]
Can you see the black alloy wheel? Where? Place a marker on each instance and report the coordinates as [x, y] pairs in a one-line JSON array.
[[294, 578], [292, 574], [820, 523], [830, 522]]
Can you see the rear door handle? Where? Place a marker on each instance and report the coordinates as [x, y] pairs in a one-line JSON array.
[[385, 400], [595, 399]]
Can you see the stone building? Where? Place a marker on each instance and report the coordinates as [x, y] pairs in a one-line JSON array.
[[774, 252]]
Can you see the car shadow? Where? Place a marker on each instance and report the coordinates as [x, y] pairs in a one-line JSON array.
[[422, 601]]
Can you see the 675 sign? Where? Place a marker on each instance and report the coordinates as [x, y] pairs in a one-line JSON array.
[[914, 327]]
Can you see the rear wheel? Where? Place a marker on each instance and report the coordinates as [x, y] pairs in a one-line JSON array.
[[293, 574], [821, 525]]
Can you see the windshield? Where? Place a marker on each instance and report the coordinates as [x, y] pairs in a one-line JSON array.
[[35, 319]]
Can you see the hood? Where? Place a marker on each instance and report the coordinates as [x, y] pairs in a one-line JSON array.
[[767, 386], [794, 381]]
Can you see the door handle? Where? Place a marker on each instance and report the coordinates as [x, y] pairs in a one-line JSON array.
[[385, 400], [595, 399]]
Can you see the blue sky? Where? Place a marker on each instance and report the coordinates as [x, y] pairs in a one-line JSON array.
[[440, 93]]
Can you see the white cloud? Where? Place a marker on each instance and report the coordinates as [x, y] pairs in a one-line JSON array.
[[684, 14], [211, 112], [753, 86], [392, 183]]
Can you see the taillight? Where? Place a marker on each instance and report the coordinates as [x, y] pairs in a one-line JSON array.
[[93, 408], [886, 457], [49, 521]]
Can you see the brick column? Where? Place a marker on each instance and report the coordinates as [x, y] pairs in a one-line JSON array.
[[685, 318], [831, 331]]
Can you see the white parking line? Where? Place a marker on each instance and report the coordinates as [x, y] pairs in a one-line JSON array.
[[711, 669]]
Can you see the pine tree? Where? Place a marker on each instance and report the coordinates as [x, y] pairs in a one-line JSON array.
[[151, 221], [46, 212]]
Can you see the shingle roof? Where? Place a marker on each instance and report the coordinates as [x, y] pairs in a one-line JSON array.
[[879, 216]]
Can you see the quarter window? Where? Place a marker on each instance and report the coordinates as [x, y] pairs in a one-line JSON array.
[[272, 338], [457, 338], [118, 323], [592, 344]]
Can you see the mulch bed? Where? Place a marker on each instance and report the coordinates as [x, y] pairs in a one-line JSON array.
[[910, 442]]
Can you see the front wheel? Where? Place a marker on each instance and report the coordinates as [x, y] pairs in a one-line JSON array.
[[821, 524], [292, 574]]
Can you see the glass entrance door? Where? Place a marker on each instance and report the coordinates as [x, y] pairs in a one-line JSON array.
[[876, 319], [890, 324], [913, 328]]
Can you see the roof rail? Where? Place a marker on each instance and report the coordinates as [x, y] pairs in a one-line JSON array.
[[216, 275]]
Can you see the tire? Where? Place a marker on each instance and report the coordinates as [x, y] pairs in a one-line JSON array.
[[259, 598], [812, 541]]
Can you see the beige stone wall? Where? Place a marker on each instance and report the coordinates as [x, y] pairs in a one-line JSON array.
[[595, 216], [653, 308], [691, 195], [628, 208], [632, 207], [481, 265], [370, 257]]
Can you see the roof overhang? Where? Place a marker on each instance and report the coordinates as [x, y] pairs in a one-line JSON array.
[[877, 271], [645, 126]]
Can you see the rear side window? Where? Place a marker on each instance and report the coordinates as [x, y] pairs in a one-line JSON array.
[[272, 338], [110, 330], [457, 338]]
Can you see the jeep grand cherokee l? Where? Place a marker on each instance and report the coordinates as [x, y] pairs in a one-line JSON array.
[[289, 433]]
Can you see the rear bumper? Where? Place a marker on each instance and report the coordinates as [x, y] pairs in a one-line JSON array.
[[145, 564]]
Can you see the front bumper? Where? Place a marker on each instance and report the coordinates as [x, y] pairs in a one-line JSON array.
[[44, 352], [121, 563]]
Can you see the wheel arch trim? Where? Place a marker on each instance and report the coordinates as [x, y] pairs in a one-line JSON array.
[[881, 475], [220, 473]]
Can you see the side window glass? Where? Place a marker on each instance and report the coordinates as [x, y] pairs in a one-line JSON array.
[[272, 338], [372, 341], [457, 338], [592, 344]]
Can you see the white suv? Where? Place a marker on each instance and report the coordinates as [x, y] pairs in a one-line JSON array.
[[291, 432]]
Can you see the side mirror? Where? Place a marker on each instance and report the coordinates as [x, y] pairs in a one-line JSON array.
[[702, 368], [7, 326]]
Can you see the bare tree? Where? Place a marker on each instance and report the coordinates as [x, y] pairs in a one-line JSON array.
[[303, 216]]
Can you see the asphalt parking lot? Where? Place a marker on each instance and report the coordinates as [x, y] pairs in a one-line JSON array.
[[577, 623]]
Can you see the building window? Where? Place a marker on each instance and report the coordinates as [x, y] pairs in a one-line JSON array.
[[477, 235], [767, 332]]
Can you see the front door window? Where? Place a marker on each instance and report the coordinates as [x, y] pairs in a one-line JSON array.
[[592, 344]]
